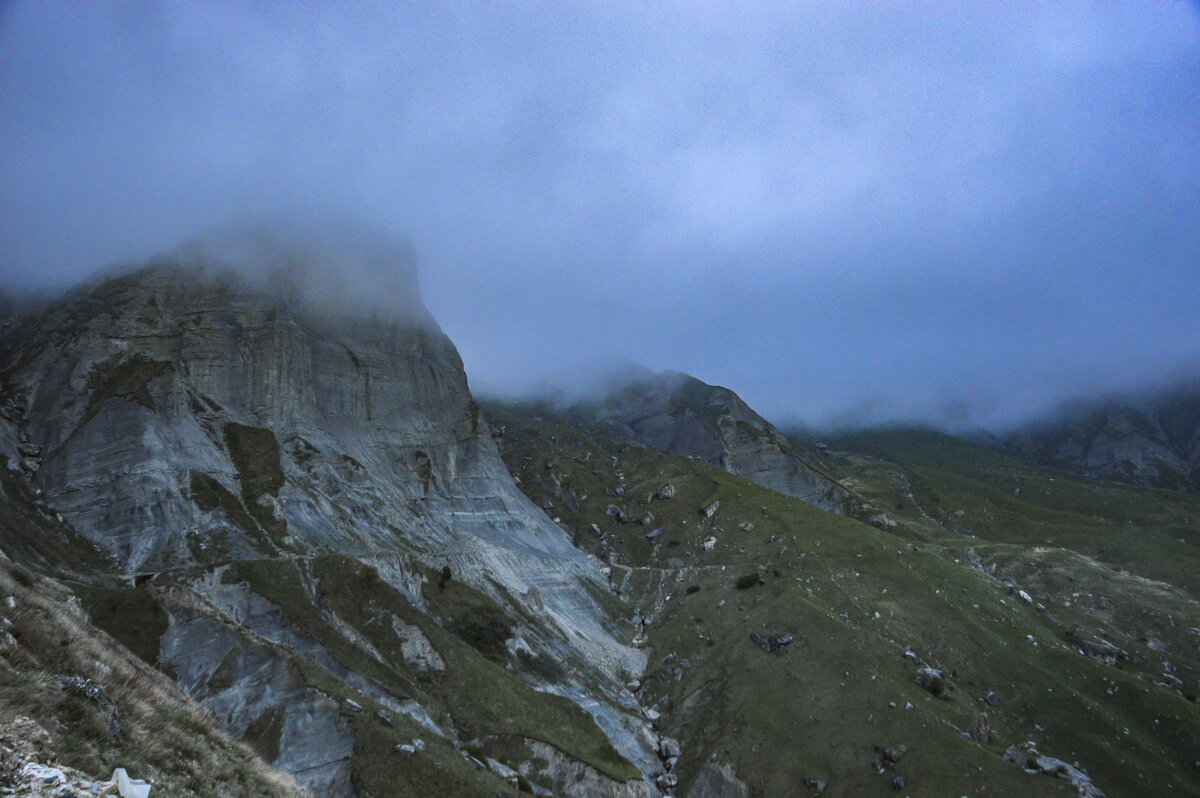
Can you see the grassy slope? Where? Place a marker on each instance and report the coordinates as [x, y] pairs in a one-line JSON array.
[[474, 694], [102, 708], [856, 598]]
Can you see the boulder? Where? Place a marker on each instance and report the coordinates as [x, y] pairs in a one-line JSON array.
[[981, 732], [771, 643], [1016, 757], [932, 681]]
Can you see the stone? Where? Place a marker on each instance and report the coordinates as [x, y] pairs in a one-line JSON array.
[[746, 526], [646, 519], [129, 788], [991, 699], [384, 718], [815, 786], [890, 757], [668, 748], [709, 543], [771, 643], [932, 681], [981, 732], [898, 783], [29, 449], [666, 492], [1016, 757], [1076, 777], [711, 510]]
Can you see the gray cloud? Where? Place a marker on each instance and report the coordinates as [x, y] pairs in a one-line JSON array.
[[839, 210]]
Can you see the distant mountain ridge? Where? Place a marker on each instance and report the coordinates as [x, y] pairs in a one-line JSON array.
[[1152, 439], [677, 414]]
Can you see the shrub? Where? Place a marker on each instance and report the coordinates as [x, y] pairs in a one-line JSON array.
[[747, 581]]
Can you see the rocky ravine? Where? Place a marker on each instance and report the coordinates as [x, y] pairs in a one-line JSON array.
[[255, 459]]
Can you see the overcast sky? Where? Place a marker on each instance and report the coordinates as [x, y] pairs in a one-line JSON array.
[[864, 210]]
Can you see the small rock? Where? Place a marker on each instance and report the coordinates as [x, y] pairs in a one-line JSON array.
[[898, 783], [29, 449], [647, 519], [668, 748], [654, 533], [1016, 757], [931, 681], [709, 543], [351, 705], [711, 510], [981, 732], [746, 526], [666, 491], [911, 656], [406, 749], [1025, 597], [891, 756], [815, 786], [991, 699], [384, 718]]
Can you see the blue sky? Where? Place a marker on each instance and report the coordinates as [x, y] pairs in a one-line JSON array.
[[844, 211]]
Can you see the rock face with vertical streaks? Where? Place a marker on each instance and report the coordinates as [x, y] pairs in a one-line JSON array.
[[243, 400]]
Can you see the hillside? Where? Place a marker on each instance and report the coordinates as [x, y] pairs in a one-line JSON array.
[[678, 414], [1150, 439], [789, 646]]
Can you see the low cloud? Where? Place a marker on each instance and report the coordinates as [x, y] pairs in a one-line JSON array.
[[839, 210]]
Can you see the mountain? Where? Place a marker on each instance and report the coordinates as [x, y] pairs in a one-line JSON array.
[[678, 414], [317, 537], [1152, 439], [1008, 615], [257, 536]]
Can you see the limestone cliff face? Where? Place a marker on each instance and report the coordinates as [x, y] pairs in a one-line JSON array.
[[678, 414], [183, 415]]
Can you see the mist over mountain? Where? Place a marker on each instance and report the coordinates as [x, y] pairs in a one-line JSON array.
[[600, 400], [851, 214]]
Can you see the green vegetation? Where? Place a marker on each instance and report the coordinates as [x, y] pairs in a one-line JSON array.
[[96, 707], [255, 455], [122, 376], [134, 616], [479, 694], [855, 598]]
